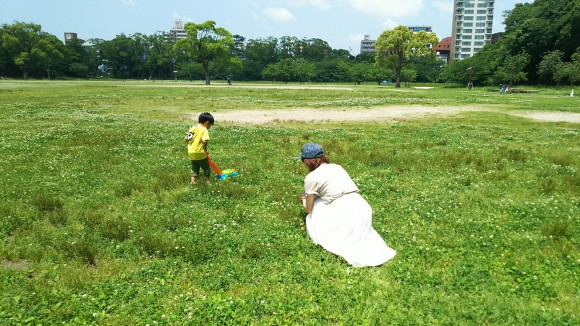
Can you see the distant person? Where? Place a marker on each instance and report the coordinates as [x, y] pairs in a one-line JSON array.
[[197, 139], [339, 218]]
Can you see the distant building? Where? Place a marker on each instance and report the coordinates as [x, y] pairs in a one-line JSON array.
[[416, 29], [69, 37], [472, 27], [178, 30], [443, 49], [367, 45], [495, 37]]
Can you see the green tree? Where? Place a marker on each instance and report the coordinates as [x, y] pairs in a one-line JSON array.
[[159, 62], [571, 70], [207, 44], [303, 70], [398, 47], [540, 27], [512, 68], [258, 53], [288, 69], [31, 51], [549, 67], [125, 56], [76, 59], [427, 69]]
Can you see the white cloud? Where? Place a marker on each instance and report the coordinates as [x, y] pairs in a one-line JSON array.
[[130, 2], [322, 4], [390, 24], [279, 14], [387, 8], [254, 15], [355, 37], [445, 6]]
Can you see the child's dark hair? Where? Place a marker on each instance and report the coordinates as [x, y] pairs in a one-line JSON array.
[[205, 117]]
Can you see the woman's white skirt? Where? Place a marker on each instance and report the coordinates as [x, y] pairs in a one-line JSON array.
[[344, 228]]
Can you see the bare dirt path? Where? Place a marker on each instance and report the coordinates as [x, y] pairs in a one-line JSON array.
[[391, 113]]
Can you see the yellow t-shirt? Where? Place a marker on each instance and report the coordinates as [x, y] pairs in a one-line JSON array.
[[195, 145]]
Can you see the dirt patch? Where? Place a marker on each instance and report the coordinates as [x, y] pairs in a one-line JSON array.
[[382, 114], [20, 265], [550, 116], [391, 113]]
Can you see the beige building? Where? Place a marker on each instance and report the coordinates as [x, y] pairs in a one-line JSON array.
[[178, 30]]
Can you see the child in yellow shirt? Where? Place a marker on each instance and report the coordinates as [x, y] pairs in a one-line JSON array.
[[197, 141]]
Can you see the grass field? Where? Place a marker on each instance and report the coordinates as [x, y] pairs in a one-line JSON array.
[[99, 225]]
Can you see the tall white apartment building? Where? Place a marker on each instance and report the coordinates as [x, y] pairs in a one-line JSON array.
[[472, 27]]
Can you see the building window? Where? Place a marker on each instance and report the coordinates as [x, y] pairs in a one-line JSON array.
[[478, 43], [479, 37], [479, 24], [466, 43], [465, 56], [480, 30], [471, 18], [469, 12], [468, 24], [468, 37], [468, 30], [481, 17]]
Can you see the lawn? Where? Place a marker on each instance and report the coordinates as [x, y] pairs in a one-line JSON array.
[[100, 226]]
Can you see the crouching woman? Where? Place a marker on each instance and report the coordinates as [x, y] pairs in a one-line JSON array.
[[339, 218]]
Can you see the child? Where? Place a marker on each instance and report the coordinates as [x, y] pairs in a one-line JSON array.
[[197, 139]]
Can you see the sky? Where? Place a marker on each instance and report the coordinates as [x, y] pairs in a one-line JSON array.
[[341, 23]]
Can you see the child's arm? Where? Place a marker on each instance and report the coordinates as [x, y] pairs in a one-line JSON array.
[[205, 143]]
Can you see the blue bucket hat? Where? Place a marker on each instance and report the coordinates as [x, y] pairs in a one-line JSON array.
[[312, 150]]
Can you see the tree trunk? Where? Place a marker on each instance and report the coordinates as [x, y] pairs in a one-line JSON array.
[[398, 77], [399, 68], [206, 71]]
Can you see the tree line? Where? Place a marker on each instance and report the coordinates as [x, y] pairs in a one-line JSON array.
[[541, 45]]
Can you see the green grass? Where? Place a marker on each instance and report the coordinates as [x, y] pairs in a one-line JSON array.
[[99, 225]]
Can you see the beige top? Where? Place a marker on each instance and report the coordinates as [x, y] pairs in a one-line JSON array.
[[329, 182]]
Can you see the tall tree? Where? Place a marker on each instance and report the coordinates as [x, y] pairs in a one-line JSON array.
[[512, 68], [398, 47], [542, 26], [206, 44], [549, 66], [30, 50]]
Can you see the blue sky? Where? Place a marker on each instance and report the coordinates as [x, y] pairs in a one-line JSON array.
[[342, 23]]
